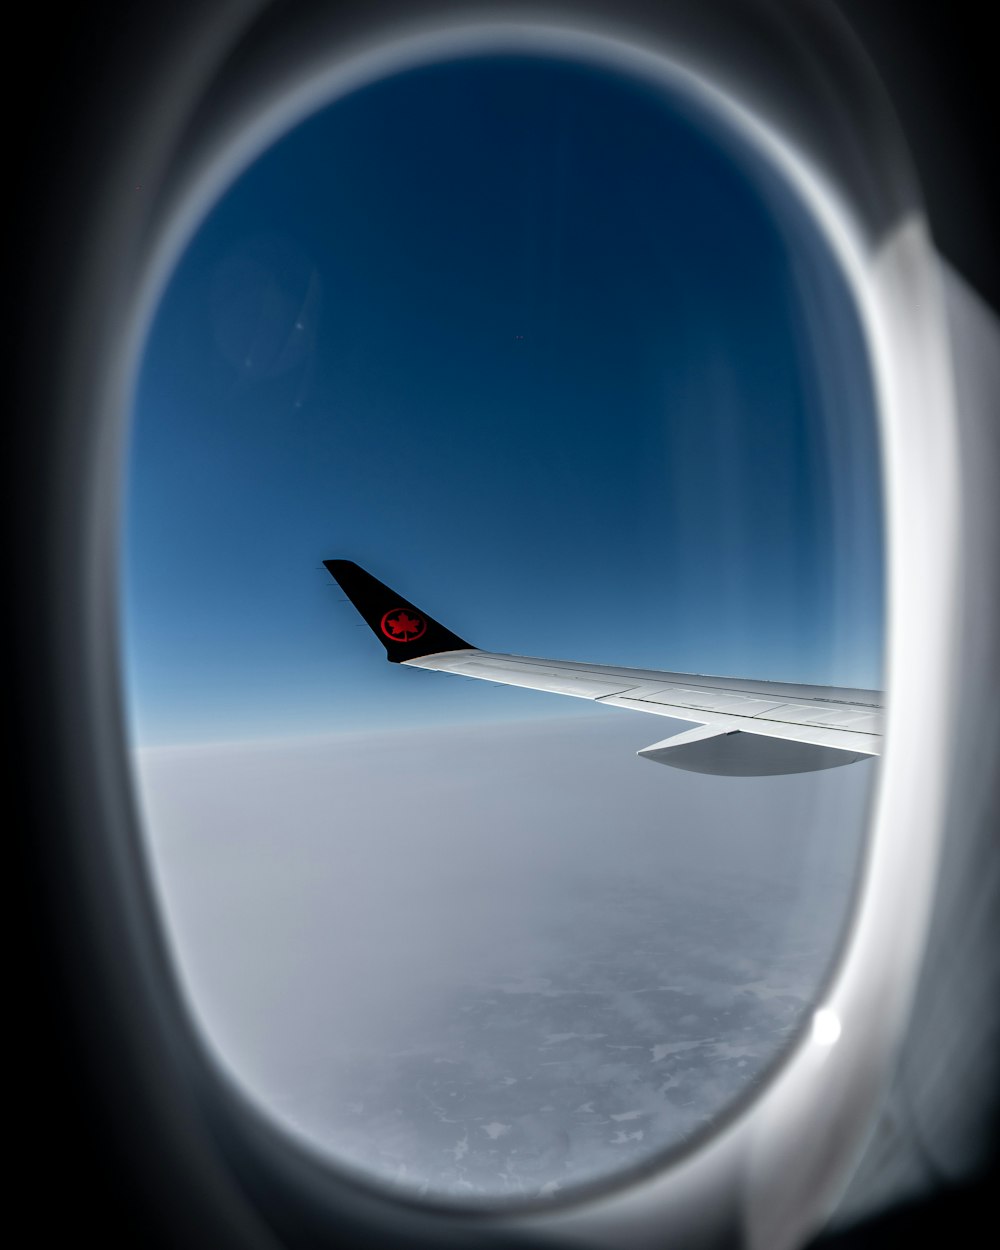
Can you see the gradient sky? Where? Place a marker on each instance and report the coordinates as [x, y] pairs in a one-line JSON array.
[[544, 350]]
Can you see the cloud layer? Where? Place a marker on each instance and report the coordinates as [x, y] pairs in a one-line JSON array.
[[496, 959]]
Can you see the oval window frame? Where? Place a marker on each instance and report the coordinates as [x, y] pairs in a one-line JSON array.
[[808, 1122]]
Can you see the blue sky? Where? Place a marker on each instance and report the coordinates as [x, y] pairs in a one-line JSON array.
[[543, 350]]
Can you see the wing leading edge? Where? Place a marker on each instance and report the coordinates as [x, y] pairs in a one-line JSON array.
[[742, 727]]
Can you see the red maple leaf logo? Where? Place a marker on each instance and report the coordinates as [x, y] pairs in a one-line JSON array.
[[400, 626]]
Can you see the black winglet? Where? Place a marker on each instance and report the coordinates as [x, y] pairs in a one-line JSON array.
[[404, 630]]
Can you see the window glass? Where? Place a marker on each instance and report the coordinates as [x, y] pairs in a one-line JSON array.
[[558, 358]]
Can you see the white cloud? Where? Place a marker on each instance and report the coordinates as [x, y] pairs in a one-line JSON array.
[[390, 935]]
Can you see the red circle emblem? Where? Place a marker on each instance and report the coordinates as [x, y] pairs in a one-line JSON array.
[[403, 625]]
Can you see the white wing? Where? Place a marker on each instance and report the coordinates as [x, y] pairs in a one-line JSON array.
[[742, 727], [797, 728]]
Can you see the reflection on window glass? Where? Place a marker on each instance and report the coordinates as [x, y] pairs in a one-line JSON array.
[[550, 353]]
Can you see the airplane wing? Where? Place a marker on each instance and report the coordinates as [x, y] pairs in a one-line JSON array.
[[741, 727]]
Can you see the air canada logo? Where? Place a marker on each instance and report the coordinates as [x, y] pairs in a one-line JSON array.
[[402, 625]]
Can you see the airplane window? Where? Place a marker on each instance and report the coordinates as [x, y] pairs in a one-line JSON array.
[[554, 355]]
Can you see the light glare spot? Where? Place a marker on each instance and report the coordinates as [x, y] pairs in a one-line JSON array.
[[826, 1026]]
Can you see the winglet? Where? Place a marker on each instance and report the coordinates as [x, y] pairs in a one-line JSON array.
[[404, 630]]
